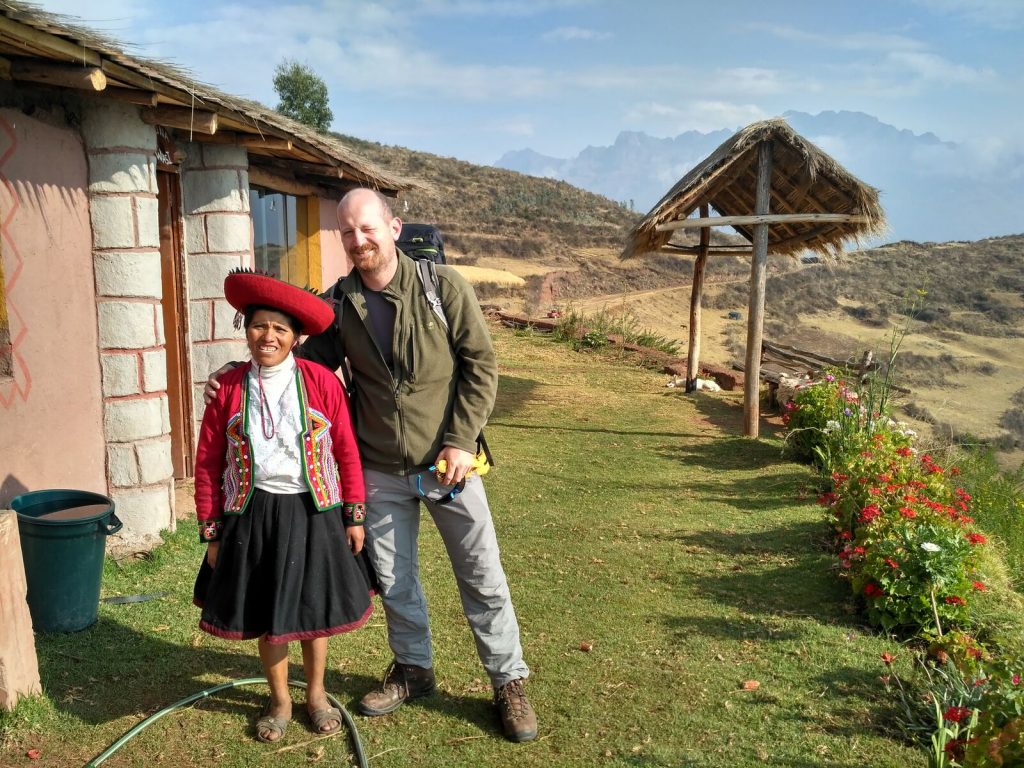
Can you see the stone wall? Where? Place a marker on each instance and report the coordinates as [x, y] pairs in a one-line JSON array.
[[123, 210]]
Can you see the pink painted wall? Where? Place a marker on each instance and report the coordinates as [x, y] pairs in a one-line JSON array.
[[333, 261], [51, 419]]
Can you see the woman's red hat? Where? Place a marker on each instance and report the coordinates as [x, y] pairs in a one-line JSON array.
[[243, 288]]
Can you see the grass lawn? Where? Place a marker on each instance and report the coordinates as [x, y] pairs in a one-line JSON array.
[[634, 523]]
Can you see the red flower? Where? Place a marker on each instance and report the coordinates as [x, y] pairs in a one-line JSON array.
[[827, 499], [888, 658], [908, 513], [979, 586], [875, 491], [957, 714], [976, 538], [1016, 679], [904, 451], [873, 590], [891, 563], [962, 494], [869, 513], [927, 459], [845, 535], [955, 600]]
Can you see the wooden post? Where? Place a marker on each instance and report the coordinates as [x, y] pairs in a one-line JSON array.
[[696, 296], [755, 310], [19, 670]]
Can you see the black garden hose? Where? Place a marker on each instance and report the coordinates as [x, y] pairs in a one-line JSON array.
[[357, 746]]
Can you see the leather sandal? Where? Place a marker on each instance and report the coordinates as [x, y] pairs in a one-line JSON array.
[[321, 717], [270, 728]]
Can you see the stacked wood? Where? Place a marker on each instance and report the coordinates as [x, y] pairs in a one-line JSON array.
[[19, 669]]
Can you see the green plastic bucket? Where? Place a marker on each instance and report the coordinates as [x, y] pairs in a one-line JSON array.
[[63, 539]]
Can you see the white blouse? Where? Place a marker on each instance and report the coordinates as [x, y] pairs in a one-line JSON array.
[[277, 461]]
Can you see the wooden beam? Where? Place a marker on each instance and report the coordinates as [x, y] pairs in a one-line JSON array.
[[144, 82], [62, 75], [133, 96], [694, 250], [258, 142], [31, 37], [220, 137], [696, 297], [317, 169], [195, 121], [265, 177], [778, 218], [758, 277]]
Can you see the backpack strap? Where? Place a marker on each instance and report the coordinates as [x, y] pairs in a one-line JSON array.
[[427, 273]]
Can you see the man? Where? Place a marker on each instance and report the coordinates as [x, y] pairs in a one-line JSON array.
[[421, 394]]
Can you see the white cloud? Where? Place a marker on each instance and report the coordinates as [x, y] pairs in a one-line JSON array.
[[670, 120], [929, 66], [575, 33], [870, 41]]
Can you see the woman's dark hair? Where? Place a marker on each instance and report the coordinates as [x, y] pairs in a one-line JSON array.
[[252, 309]]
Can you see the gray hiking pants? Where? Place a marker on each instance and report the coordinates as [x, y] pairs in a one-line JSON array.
[[465, 525]]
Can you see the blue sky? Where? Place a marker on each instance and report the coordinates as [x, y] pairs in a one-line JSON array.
[[473, 79]]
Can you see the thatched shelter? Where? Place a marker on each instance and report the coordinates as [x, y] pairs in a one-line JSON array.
[[781, 193], [45, 48]]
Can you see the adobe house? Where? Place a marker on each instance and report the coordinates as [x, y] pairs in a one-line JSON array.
[[127, 192]]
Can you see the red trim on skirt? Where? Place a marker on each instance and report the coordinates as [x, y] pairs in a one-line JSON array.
[[281, 639]]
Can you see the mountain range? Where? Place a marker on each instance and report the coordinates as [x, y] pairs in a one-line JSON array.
[[932, 190]]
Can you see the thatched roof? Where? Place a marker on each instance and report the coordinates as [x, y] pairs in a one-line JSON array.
[[30, 37], [804, 180]]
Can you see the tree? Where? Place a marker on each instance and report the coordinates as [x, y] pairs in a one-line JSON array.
[[303, 95]]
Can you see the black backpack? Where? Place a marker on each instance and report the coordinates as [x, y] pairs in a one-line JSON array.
[[422, 241]]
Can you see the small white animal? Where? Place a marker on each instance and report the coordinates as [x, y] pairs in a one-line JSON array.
[[710, 385]]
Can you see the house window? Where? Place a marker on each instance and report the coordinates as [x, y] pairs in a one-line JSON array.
[[285, 230], [6, 351]]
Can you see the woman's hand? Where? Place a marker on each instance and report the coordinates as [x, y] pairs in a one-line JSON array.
[[355, 535], [212, 548]]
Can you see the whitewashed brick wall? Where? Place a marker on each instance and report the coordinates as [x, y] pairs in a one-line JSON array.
[[123, 210]]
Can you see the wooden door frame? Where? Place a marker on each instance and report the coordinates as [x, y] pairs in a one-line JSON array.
[[176, 321]]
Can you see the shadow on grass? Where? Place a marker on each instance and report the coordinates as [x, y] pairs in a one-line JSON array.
[[600, 430], [109, 671], [780, 572], [513, 393], [726, 413]]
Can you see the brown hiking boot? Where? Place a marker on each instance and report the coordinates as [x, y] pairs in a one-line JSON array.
[[517, 716], [402, 682]]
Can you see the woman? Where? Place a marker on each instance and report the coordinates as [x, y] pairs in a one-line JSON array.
[[280, 501]]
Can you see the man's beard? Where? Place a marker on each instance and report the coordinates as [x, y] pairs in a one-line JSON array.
[[369, 258]]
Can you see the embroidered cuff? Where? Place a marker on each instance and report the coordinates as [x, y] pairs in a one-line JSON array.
[[354, 513], [209, 530]]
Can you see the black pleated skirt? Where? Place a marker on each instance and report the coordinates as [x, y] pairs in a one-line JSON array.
[[284, 570]]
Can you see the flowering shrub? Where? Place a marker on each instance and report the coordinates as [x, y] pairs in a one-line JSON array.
[[828, 421], [905, 535], [999, 734]]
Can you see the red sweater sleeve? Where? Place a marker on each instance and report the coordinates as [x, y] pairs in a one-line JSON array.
[[210, 453]]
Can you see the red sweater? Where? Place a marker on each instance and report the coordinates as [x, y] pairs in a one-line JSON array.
[[224, 465]]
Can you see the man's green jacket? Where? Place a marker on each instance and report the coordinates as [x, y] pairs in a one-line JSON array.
[[442, 388]]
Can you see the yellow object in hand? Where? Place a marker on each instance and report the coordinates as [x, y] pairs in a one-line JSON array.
[[480, 466]]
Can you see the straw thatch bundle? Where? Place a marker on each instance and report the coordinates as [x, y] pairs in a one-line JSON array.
[[21, 23], [804, 180]]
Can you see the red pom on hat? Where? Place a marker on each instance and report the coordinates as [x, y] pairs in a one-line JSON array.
[[243, 288]]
